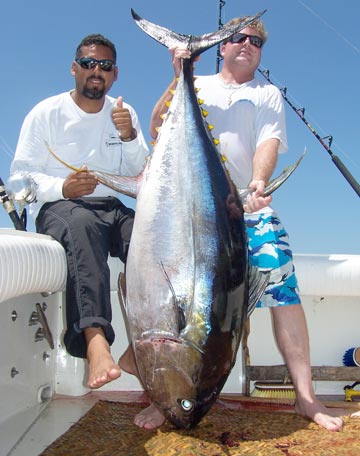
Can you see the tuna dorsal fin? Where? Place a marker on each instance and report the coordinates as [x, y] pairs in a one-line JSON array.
[[257, 284], [195, 43]]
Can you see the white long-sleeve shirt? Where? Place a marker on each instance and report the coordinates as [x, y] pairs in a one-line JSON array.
[[78, 138]]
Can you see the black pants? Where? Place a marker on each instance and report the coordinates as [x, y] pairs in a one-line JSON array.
[[89, 229]]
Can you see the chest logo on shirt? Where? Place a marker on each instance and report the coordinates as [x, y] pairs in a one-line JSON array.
[[113, 140]]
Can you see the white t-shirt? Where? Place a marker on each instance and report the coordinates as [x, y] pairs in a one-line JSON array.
[[243, 116], [78, 138]]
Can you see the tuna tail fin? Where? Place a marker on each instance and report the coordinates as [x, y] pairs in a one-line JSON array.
[[195, 43]]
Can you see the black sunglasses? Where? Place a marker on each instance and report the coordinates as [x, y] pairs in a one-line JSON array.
[[241, 38], [88, 63]]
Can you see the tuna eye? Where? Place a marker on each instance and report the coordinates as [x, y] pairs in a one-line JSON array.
[[187, 405]]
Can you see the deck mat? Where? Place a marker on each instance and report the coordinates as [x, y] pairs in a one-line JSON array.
[[108, 430]]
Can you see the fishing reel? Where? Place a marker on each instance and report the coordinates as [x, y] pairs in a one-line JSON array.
[[20, 189]]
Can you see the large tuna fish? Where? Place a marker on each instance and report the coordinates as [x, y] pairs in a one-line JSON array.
[[189, 285], [187, 272]]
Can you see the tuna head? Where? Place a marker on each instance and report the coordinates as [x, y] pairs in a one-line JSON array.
[[179, 379]]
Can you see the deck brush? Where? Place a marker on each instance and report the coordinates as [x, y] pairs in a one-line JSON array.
[[274, 390], [352, 357]]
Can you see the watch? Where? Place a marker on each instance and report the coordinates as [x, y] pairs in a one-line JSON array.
[[131, 137]]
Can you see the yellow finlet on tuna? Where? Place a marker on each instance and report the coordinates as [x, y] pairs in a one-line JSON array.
[[204, 113]]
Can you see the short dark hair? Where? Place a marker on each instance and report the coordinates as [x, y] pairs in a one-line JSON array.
[[96, 38]]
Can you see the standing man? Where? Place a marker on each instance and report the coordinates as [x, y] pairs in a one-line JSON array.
[[249, 120], [90, 130]]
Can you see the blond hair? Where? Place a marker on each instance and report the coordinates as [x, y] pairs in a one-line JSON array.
[[257, 25]]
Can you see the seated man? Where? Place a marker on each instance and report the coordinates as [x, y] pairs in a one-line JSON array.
[[88, 129]]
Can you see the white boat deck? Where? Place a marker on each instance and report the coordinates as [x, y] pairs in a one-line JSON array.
[[57, 416]]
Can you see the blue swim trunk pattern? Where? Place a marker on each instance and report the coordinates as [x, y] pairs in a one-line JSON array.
[[269, 247]]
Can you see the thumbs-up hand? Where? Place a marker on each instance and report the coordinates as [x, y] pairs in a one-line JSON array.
[[122, 121]]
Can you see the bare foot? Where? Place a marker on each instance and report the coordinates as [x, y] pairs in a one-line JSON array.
[[102, 367], [149, 418], [321, 415]]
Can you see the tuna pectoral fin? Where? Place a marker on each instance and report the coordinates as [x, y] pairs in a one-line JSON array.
[[257, 284], [275, 183], [125, 185], [178, 309], [278, 181]]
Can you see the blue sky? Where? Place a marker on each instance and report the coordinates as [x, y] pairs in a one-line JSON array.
[[313, 49]]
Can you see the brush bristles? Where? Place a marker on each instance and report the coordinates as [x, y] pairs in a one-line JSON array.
[[352, 357], [274, 391]]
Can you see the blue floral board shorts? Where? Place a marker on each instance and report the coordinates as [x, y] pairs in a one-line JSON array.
[[270, 251]]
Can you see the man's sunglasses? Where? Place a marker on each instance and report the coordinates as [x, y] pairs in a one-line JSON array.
[[241, 38], [88, 63]]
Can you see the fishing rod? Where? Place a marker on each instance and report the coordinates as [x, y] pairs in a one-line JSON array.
[[301, 113], [10, 208], [327, 146], [220, 24]]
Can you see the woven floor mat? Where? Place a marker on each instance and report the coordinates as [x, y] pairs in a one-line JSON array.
[[108, 430]]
